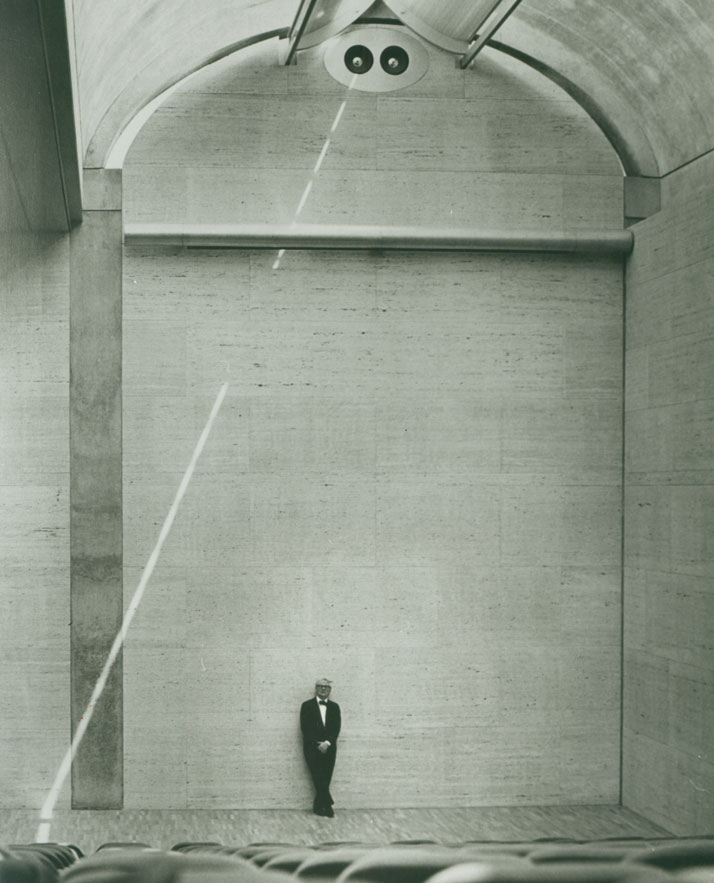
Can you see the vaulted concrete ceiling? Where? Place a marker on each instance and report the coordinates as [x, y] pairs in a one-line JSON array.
[[643, 68]]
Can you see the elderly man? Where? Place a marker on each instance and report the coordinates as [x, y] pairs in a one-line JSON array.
[[320, 723]]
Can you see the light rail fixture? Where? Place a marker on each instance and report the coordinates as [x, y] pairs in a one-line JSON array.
[[487, 27], [403, 59]]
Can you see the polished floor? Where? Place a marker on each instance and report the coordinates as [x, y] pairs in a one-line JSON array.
[[163, 828]]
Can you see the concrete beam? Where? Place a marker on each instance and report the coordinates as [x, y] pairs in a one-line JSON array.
[[58, 51], [643, 197], [96, 496]]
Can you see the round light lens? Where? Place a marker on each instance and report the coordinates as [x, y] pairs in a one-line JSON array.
[[394, 60], [358, 59]]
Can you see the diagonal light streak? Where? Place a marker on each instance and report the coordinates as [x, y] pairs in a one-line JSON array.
[[48, 807], [318, 165]]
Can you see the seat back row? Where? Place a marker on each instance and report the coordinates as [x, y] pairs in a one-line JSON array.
[[611, 861]]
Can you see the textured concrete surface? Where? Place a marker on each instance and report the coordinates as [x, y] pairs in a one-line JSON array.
[[96, 502], [34, 458], [419, 495], [34, 511], [669, 514], [533, 443], [442, 153], [414, 482], [643, 69]]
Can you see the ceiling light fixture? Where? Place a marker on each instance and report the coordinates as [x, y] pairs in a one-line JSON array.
[[394, 60], [358, 59]]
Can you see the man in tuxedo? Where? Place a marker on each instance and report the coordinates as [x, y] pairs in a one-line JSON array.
[[320, 722]]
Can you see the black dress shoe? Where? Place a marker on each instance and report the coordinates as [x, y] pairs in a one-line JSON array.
[[329, 812]]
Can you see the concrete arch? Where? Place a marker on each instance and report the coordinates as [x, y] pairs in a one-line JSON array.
[[643, 73], [114, 153], [637, 159]]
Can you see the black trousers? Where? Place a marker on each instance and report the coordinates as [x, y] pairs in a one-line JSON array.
[[321, 767]]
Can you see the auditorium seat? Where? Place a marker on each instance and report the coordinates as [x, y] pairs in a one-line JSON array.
[[18, 866], [399, 864], [678, 855], [260, 859], [328, 864], [289, 860], [25, 870], [157, 866], [514, 850], [57, 854], [525, 871], [256, 854], [579, 853], [560, 860], [256, 849], [694, 875]]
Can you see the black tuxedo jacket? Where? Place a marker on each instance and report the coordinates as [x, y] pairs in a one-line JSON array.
[[313, 730]]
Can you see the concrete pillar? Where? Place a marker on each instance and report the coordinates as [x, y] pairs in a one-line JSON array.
[[96, 487]]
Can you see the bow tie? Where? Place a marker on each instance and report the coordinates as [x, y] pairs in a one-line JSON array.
[[322, 702]]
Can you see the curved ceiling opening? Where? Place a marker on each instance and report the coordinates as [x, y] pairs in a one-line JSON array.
[[642, 71]]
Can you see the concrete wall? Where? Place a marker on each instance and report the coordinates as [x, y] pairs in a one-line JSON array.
[[495, 148], [34, 505], [669, 558], [413, 485], [382, 500], [34, 425]]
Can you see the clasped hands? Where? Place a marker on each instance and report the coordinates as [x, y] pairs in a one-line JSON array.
[[323, 746]]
